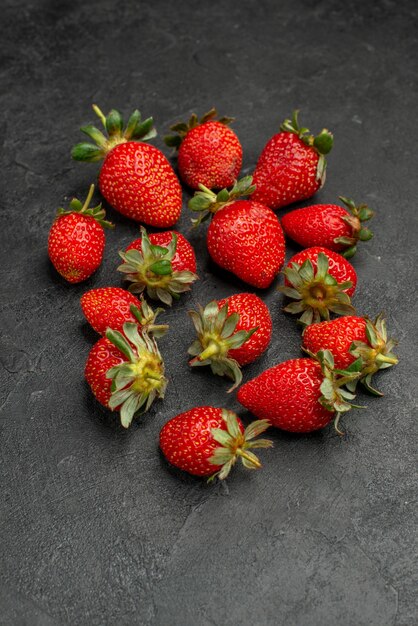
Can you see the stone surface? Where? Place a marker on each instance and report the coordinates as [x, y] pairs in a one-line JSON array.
[[95, 528]]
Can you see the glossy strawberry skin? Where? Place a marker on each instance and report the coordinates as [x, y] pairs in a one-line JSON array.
[[318, 225], [187, 442], [246, 238], [75, 246], [184, 259], [108, 307], [286, 171], [253, 313], [210, 154], [339, 267], [139, 182], [287, 395], [102, 357], [337, 337]]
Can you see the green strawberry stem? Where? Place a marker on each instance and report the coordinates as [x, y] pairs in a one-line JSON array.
[[217, 335], [234, 444], [182, 128], [206, 202], [97, 212], [315, 293], [135, 130], [150, 269], [357, 215]]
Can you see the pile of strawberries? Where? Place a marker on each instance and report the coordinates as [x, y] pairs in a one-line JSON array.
[[125, 369]]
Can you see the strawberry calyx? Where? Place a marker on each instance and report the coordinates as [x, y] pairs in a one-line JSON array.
[[146, 317], [336, 396], [97, 212], [376, 355], [216, 337], [136, 383], [182, 128], [115, 133], [316, 294], [151, 270], [321, 143], [207, 202], [358, 214], [235, 444]]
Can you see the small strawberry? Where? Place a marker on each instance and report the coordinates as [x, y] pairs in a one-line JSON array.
[[162, 264], [76, 239], [301, 395], [329, 225], [209, 152], [126, 372], [135, 178], [351, 337], [206, 441], [232, 332], [111, 307], [320, 281], [244, 237], [292, 165]]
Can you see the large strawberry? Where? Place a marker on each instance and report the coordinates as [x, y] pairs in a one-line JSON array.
[[351, 337], [126, 372], [111, 307], [162, 264], [135, 178], [76, 239], [320, 281], [292, 165], [207, 441], [301, 395], [329, 225], [209, 152], [244, 237], [232, 332]]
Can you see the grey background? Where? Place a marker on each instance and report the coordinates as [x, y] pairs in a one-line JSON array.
[[94, 527]]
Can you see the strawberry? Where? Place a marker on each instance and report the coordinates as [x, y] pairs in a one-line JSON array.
[[351, 337], [232, 332], [162, 264], [207, 441], [329, 225], [292, 165], [320, 281], [135, 178], [111, 307], [126, 372], [76, 239], [300, 395], [244, 237], [209, 152]]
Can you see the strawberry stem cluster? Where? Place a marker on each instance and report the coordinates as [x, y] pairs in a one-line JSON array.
[[182, 128]]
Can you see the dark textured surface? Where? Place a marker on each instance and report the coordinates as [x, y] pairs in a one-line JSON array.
[[95, 529]]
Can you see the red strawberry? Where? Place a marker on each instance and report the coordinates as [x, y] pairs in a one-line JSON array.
[[244, 237], [320, 281], [351, 337], [162, 264], [329, 225], [300, 395], [292, 165], [206, 441], [126, 372], [209, 152], [76, 239], [111, 307], [135, 178], [232, 332]]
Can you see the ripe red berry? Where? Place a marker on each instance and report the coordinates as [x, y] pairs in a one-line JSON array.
[[209, 152], [135, 178], [207, 441], [76, 240]]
